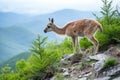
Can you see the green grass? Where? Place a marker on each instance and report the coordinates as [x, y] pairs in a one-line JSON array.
[[110, 62]]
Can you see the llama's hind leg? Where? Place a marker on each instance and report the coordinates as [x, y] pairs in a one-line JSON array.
[[95, 43]]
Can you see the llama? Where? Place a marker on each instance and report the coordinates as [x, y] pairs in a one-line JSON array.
[[83, 28]]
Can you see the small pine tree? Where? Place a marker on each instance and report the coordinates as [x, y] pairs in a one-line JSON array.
[[107, 11], [38, 45], [118, 11]]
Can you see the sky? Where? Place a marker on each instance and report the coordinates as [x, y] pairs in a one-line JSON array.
[[47, 6]]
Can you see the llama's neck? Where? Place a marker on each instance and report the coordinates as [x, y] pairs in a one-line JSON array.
[[60, 31]]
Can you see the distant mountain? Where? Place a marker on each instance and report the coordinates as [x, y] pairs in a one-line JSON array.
[[14, 40], [37, 23], [9, 19], [12, 61]]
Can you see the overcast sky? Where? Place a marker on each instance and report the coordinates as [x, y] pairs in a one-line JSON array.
[[46, 6]]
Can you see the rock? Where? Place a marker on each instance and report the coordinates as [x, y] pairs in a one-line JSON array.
[[80, 76], [98, 65], [113, 51], [64, 69], [115, 71], [117, 78], [73, 69], [76, 58], [83, 78], [88, 74], [66, 74], [53, 78], [66, 56], [112, 72], [104, 78], [98, 57]]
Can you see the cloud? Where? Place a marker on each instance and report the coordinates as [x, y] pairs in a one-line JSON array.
[[45, 6]]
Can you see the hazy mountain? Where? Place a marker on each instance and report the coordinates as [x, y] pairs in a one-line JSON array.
[[37, 23], [8, 19], [12, 61], [14, 40]]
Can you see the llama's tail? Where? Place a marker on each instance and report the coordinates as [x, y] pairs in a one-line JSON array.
[[100, 27]]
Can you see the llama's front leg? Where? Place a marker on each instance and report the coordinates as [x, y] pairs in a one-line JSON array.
[[74, 44], [78, 45]]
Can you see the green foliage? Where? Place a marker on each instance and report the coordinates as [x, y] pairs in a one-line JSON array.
[[107, 12], [110, 35], [103, 39], [118, 11], [62, 48], [66, 43], [42, 63], [45, 65], [66, 46], [116, 21], [8, 74], [38, 45], [6, 69], [20, 65], [113, 32], [85, 43], [110, 62]]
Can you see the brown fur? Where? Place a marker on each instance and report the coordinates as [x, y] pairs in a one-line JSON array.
[[83, 27]]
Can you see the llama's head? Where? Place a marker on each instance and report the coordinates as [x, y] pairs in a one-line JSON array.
[[50, 26]]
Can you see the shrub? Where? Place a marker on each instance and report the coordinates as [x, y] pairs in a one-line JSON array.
[[38, 45], [66, 46], [113, 32], [85, 43], [8, 74], [110, 62], [42, 67], [110, 35], [103, 39]]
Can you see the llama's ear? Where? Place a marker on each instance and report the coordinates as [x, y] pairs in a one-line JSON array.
[[49, 19], [52, 20]]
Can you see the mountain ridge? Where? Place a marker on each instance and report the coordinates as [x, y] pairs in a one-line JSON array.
[[14, 40]]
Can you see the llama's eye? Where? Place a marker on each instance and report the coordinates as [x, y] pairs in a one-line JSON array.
[[48, 26]]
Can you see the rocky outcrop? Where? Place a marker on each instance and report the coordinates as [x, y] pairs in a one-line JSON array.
[[80, 67]]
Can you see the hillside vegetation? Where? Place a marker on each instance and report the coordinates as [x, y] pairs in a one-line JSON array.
[[45, 57]]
